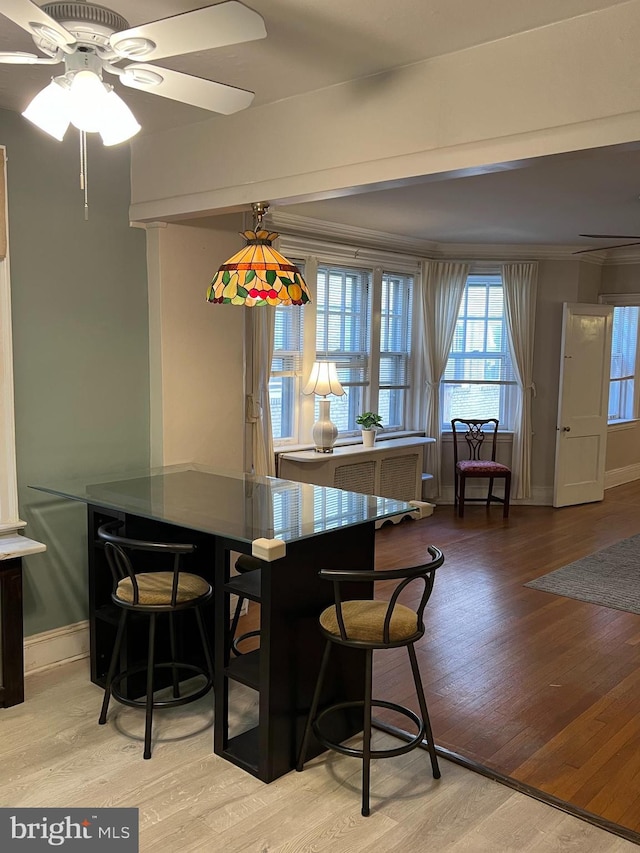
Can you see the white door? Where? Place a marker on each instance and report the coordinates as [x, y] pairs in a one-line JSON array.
[[581, 437]]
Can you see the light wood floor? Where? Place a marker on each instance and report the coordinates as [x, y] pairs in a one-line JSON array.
[[541, 688], [53, 753]]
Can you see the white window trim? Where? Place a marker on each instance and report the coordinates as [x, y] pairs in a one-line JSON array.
[[621, 300], [619, 426], [9, 520], [12, 545]]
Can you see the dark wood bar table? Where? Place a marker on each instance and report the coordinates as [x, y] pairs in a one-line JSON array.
[[297, 529]]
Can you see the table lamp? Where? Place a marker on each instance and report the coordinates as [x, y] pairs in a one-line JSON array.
[[322, 382]]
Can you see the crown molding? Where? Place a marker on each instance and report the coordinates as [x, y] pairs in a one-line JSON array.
[[630, 256], [321, 231], [514, 251]]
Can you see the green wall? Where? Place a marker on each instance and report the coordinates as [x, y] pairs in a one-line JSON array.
[[81, 346]]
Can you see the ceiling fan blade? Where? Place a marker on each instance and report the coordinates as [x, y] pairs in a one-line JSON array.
[[612, 236], [202, 29], [35, 21], [18, 58], [217, 97], [605, 248]]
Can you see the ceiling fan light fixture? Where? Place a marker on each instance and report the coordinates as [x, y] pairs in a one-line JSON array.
[[50, 110], [119, 123], [87, 101]]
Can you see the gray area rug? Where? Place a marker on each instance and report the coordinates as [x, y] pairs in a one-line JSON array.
[[610, 577]]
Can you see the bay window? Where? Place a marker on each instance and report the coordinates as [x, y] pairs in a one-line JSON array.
[[286, 365], [342, 336], [360, 317], [479, 381], [395, 349]]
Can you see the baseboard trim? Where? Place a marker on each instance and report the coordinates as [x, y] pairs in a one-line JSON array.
[[53, 648], [620, 476]]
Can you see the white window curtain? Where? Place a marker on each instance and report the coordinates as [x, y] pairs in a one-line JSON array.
[[520, 283], [258, 406], [439, 298]]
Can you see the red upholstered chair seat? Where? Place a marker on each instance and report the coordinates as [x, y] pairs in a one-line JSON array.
[[476, 435], [481, 468]]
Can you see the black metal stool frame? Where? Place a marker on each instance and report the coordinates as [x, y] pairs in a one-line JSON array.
[[406, 576], [121, 568], [244, 564]]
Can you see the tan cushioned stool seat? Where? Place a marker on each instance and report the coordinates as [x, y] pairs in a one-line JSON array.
[[154, 588], [248, 563], [364, 620]]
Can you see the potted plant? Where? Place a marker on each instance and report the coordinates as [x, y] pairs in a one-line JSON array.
[[370, 423]]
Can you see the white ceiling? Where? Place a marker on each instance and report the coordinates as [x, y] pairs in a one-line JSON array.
[[549, 201], [312, 45]]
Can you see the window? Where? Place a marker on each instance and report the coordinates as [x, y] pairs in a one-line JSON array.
[[360, 317], [624, 351], [479, 381], [342, 336], [395, 348]]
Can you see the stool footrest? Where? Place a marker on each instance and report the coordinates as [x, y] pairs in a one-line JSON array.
[[240, 639], [162, 703], [374, 753]]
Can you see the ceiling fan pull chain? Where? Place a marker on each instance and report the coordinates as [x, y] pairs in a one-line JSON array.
[[84, 178]]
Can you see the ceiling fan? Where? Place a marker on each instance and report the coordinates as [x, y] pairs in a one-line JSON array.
[[634, 237], [91, 39]]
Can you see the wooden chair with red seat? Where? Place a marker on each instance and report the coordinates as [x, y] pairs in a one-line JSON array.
[[477, 434]]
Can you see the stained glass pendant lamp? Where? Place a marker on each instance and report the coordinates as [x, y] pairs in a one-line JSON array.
[[258, 274]]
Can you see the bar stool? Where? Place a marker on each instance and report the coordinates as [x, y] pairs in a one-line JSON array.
[[244, 564], [152, 593], [370, 625]]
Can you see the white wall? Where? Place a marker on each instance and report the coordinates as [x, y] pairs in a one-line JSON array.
[[563, 87], [196, 348]]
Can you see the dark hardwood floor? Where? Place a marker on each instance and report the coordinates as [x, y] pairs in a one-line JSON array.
[[541, 688]]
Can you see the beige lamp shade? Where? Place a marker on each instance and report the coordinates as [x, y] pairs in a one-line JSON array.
[[323, 380]]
